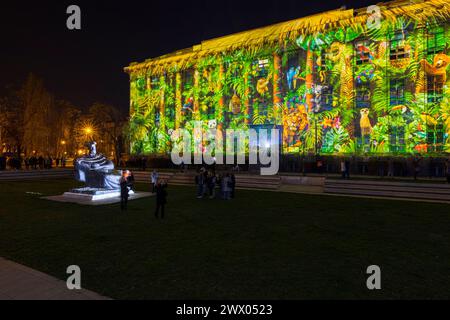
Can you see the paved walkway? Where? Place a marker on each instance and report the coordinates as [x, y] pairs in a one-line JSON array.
[[18, 282]]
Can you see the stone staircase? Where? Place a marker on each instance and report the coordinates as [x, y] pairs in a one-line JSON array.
[[188, 179], [257, 182], [144, 176], [388, 189], [18, 175]]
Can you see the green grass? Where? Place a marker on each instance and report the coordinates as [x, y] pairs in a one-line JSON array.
[[260, 245]]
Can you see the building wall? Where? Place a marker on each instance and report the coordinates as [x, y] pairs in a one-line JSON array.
[[382, 91]]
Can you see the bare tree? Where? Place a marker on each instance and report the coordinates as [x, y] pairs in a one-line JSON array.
[[12, 119], [109, 123]]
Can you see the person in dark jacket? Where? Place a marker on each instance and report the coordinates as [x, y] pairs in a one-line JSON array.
[[130, 180], [232, 185], [124, 191], [161, 198]]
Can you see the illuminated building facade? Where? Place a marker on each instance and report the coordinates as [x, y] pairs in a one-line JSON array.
[[341, 82]]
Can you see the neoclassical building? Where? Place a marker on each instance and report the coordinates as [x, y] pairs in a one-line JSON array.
[[350, 81]]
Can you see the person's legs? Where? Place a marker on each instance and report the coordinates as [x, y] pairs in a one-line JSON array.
[[157, 210], [122, 203], [211, 191], [162, 211]]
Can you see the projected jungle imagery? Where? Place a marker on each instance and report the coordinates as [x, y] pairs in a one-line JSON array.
[[337, 88]]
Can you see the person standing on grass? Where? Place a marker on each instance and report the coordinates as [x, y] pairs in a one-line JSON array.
[[154, 179], [232, 185], [342, 168], [226, 182], [124, 191], [161, 198], [347, 169], [130, 180], [205, 183], [390, 167], [200, 182], [211, 184]]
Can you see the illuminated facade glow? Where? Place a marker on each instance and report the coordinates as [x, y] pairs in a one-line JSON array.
[[334, 84]]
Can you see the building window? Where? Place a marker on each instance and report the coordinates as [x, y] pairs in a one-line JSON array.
[[292, 70], [398, 47], [157, 117], [397, 139], [363, 54], [362, 95], [211, 112], [435, 85], [187, 79], [154, 84], [263, 63], [435, 40], [140, 84], [397, 92], [262, 67], [170, 113], [326, 98], [435, 138]]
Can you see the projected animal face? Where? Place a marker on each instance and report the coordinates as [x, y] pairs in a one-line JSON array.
[[212, 124], [441, 61], [364, 112]]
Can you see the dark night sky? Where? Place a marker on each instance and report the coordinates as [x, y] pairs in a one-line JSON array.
[[87, 66]]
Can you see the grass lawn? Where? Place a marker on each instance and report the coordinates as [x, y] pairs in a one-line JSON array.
[[262, 245]]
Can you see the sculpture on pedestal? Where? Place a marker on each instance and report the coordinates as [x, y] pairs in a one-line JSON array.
[[96, 170]]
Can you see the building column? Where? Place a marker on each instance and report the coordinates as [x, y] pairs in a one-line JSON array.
[[277, 87], [196, 95], [162, 106], [221, 103], [309, 77], [178, 103]]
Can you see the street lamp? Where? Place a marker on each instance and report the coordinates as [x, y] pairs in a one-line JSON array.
[[88, 130]]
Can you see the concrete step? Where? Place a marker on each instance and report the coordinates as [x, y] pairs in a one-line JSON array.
[[388, 183], [242, 180], [443, 191], [425, 191], [35, 174], [390, 194]]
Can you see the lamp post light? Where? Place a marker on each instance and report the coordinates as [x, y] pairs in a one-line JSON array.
[[63, 145], [88, 131]]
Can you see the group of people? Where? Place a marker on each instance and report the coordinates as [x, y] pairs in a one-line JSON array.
[[207, 182], [32, 162]]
